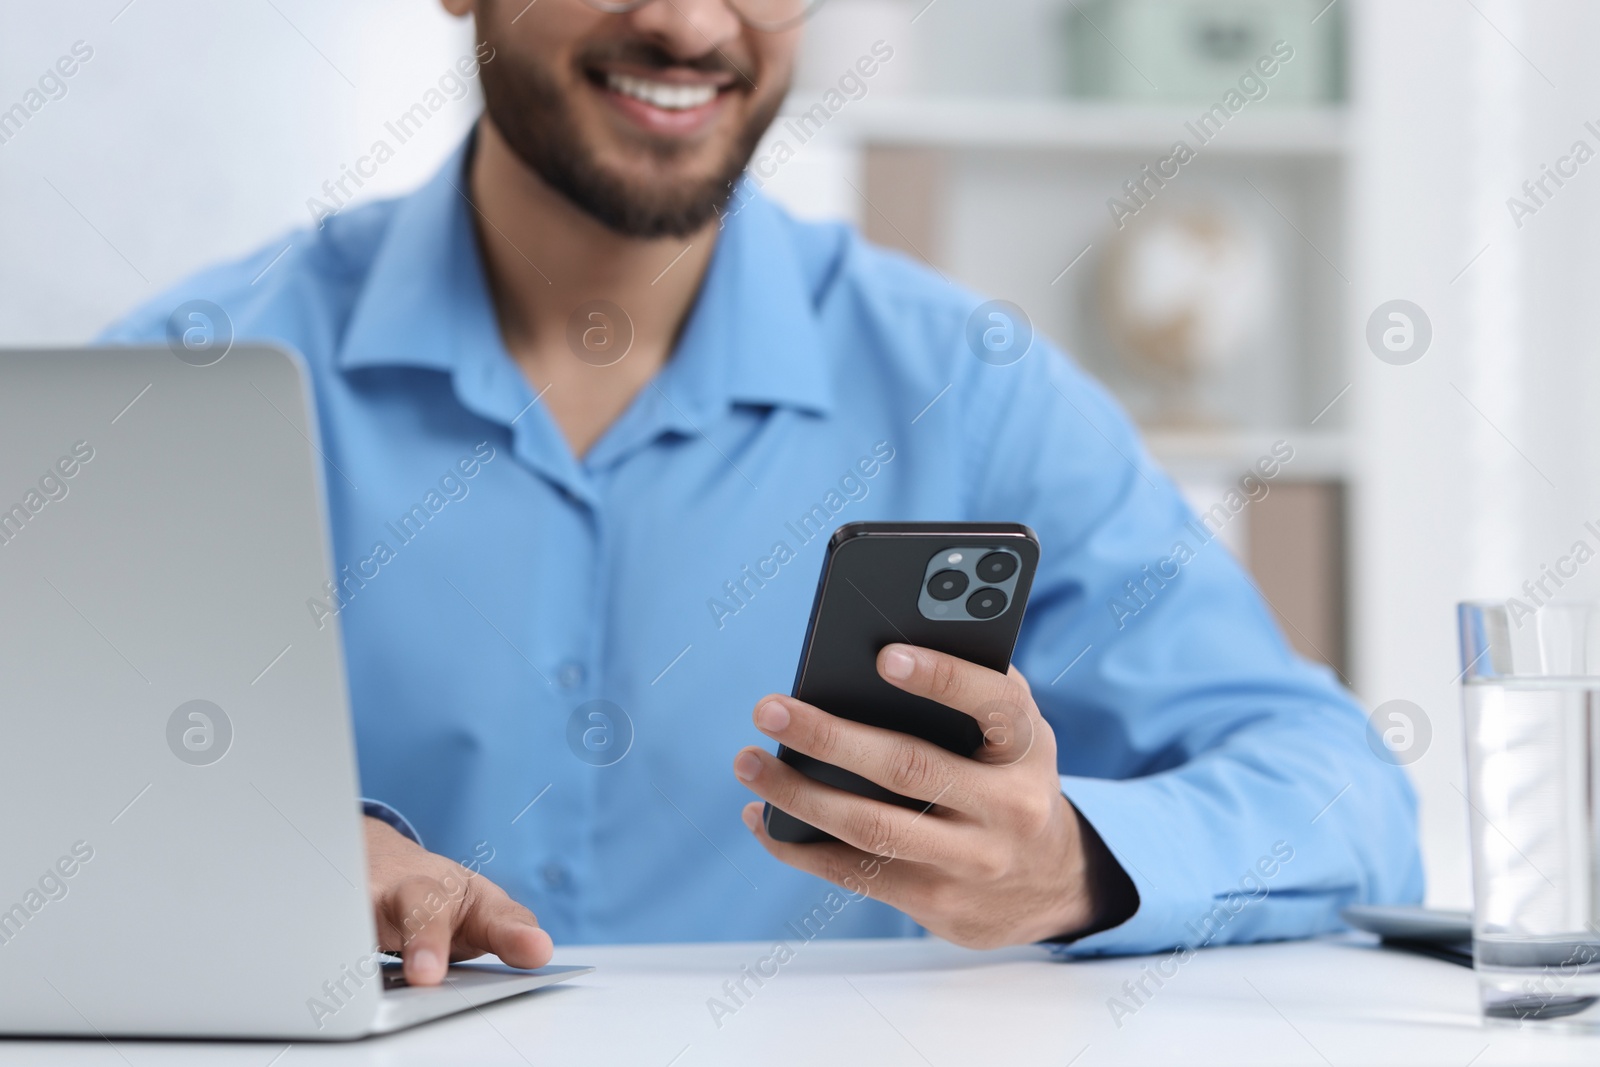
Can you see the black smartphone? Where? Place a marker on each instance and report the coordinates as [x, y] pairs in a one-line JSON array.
[[956, 587]]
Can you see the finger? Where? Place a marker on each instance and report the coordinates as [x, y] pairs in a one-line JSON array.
[[1001, 704], [907, 765], [881, 876], [870, 825], [1010, 732], [419, 916], [493, 922]]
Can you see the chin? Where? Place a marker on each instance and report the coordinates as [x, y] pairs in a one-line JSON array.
[[650, 179]]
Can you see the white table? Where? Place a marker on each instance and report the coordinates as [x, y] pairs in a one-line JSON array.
[[915, 1003]]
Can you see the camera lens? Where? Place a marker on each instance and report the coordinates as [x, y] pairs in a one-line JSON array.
[[947, 585], [997, 566], [986, 603]]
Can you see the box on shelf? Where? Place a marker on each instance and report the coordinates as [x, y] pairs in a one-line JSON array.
[[1154, 51]]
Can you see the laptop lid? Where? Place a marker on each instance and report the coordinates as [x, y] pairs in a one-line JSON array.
[[183, 850]]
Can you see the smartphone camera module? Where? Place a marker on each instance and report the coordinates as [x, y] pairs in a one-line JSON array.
[[972, 584]]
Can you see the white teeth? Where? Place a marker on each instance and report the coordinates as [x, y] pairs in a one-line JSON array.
[[661, 94]]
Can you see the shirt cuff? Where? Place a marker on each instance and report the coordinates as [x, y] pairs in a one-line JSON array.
[[377, 809], [1123, 813], [1113, 888]]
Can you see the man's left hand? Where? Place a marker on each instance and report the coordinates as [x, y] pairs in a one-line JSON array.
[[995, 855]]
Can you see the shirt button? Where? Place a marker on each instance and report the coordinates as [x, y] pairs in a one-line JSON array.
[[570, 675], [556, 876]]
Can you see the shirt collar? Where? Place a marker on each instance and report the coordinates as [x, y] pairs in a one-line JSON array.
[[425, 296], [752, 337]]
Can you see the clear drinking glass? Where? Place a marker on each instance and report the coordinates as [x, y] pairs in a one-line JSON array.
[[1531, 696]]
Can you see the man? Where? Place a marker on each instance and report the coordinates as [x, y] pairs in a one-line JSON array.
[[584, 448]]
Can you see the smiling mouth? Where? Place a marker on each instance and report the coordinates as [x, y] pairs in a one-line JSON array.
[[668, 96]]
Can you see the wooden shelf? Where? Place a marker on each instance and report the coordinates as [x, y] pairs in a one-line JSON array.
[[1075, 126]]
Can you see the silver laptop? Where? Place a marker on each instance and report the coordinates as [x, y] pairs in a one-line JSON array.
[[182, 851]]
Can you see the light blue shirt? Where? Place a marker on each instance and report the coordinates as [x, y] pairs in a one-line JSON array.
[[494, 587]]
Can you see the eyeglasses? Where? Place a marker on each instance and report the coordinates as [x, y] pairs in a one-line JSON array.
[[769, 15]]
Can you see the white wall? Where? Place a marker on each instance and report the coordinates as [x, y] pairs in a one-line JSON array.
[[197, 130], [1455, 113]]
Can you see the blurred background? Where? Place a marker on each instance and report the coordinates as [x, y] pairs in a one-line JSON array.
[[1377, 245]]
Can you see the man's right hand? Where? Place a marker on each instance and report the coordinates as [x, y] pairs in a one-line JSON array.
[[433, 910]]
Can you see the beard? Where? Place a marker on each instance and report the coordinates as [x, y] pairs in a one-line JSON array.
[[534, 115]]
